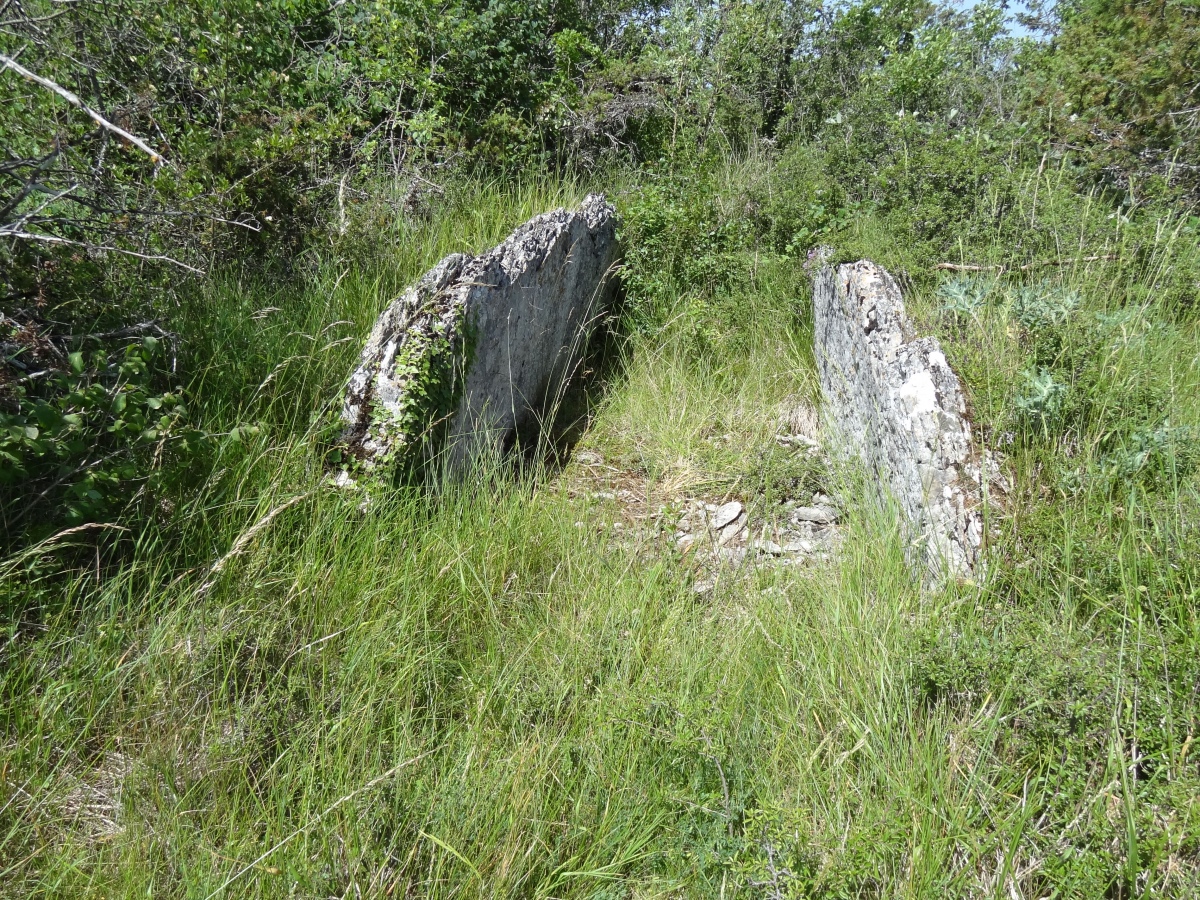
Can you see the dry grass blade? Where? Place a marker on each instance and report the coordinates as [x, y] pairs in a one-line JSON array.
[[245, 539], [315, 820]]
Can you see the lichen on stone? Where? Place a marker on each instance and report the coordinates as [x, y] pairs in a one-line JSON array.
[[481, 345], [898, 405]]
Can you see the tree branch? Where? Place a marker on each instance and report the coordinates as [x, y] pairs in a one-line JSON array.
[[10, 63], [53, 239], [131, 331]]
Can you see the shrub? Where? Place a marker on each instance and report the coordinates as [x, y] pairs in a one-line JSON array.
[[85, 442]]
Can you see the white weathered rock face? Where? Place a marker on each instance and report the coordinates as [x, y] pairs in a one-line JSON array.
[[482, 346], [894, 400]]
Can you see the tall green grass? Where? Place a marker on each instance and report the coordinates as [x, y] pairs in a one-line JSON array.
[[484, 689]]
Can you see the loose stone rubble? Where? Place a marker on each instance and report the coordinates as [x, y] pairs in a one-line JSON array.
[[894, 400], [720, 536], [482, 347], [789, 534], [722, 540]]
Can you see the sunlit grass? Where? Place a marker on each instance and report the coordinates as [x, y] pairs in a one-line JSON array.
[[471, 689]]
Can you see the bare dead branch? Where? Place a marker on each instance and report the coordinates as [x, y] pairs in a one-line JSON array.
[[130, 331], [37, 167], [1028, 267], [955, 267], [7, 232], [10, 63], [33, 21], [19, 222]]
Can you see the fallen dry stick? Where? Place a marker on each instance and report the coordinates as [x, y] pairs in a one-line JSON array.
[[1000, 269]]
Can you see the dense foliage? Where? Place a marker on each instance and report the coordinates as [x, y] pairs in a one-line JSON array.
[[1118, 87]]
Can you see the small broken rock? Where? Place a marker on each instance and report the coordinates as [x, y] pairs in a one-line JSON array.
[[732, 555], [815, 514], [734, 532], [788, 440], [726, 514], [799, 417]]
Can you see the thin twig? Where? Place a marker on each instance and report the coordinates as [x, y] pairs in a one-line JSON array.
[[31, 181], [10, 63], [954, 267], [317, 818], [25, 217], [1001, 269], [128, 331], [54, 239]]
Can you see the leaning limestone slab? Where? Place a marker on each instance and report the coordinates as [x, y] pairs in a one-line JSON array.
[[483, 346], [896, 403]]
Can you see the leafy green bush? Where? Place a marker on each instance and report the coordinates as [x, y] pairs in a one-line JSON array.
[[1040, 402], [219, 133], [1163, 456], [678, 244], [1116, 86], [84, 443], [1043, 306], [964, 297]]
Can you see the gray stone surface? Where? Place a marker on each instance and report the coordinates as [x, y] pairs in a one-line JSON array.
[[483, 346], [818, 515], [894, 400], [726, 514]]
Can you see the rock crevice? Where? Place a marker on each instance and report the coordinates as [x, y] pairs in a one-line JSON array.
[[893, 400]]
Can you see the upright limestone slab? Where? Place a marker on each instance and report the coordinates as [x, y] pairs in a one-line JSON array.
[[895, 401], [481, 346]]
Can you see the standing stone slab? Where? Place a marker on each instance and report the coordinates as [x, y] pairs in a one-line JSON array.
[[483, 346], [897, 403]]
